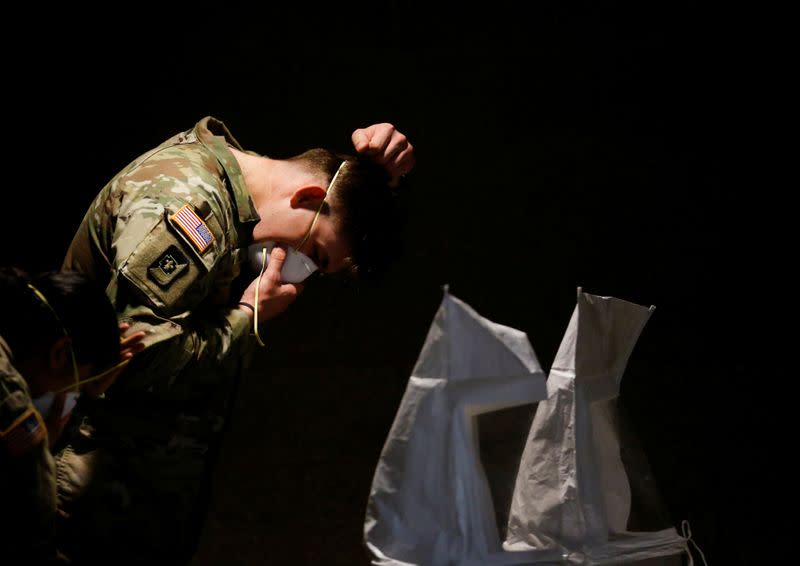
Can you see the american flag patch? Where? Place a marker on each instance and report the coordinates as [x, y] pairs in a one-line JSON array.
[[193, 226], [24, 433]]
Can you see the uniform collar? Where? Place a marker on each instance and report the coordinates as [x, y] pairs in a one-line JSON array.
[[213, 134]]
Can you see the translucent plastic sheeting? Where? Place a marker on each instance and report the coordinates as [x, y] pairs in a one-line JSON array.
[[430, 502], [572, 491]]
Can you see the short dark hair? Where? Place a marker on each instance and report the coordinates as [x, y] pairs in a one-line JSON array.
[[30, 327], [370, 217]]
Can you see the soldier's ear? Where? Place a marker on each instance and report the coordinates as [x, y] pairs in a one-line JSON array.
[[307, 196]]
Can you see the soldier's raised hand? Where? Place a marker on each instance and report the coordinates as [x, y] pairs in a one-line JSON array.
[[387, 146], [274, 297]]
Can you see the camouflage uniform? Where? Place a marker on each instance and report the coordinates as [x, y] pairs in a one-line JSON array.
[[166, 238], [27, 473]]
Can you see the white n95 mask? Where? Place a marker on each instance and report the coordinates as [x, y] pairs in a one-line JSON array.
[[296, 268], [45, 402]]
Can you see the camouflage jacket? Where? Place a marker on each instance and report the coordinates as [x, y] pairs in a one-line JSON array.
[[165, 237], [27, 472]]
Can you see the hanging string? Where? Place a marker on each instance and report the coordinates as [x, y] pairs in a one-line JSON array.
[[686, 530]]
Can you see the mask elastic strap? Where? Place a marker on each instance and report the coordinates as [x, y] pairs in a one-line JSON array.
[[300, 245], [258, 286], [41, 297], [686, 531], [319, 210], [120, 365]]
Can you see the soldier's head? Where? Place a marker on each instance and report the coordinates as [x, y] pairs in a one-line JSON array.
[[47, 319], [336, 209]]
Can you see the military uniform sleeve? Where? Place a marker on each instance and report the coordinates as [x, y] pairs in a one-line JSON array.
[[168, 254], [27, 476], [174, 290]]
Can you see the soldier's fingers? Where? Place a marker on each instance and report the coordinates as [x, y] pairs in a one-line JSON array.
[[131, 345], [380, 139], [130, 352], [404, 162], [397, 144], [291, 290], [132, 340], [276, 259], [360, 140]]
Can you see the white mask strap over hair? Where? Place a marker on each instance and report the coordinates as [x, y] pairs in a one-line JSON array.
[[328, 192]]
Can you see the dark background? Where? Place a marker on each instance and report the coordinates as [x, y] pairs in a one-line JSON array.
[[594, 146]]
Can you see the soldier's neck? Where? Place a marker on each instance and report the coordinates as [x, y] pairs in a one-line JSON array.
[[259, 175]]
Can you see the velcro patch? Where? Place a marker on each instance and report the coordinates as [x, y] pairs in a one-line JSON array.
[[168, 267], [24, 433], [193, 227]]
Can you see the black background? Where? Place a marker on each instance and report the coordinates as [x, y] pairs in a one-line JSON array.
[[596, 146]]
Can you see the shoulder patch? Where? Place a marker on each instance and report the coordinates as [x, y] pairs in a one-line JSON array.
[[193, 227], [169, 270], [168, 266], [25, 432]]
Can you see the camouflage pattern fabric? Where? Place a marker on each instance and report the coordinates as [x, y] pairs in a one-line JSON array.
[[165, 237], [157, 278]]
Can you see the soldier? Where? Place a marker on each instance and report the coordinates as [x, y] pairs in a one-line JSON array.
[[167, 236], [55, 331]]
